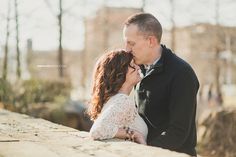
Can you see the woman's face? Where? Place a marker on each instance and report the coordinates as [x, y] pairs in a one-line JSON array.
[[133, 74]]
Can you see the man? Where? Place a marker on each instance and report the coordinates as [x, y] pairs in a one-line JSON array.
[[167, 94]]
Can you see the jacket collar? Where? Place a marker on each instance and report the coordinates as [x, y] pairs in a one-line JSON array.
[[159, 66]]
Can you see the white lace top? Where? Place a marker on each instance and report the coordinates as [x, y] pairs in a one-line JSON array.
[[119, 111]]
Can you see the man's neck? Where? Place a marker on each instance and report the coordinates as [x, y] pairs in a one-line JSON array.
[[156, 55]]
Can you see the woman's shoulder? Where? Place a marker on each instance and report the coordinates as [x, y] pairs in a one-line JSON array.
[[122, 95], [119, 98]]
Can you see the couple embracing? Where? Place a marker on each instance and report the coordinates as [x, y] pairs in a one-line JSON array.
[[162, 112]]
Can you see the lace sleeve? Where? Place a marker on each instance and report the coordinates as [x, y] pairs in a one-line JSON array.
[[120, 111]]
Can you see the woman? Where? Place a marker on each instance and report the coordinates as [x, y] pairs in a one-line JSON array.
[[113, 111]]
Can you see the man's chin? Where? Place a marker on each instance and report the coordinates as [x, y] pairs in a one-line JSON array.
[[137, 62]]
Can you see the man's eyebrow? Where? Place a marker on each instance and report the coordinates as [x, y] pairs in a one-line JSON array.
[[130, 42]]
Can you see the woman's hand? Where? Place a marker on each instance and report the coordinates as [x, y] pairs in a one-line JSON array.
[[131, 135]]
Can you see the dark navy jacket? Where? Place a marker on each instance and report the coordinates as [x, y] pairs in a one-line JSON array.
[[167, 102]]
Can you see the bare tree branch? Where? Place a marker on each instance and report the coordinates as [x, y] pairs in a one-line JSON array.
[[76, 2], [50, 7], [173, 26]]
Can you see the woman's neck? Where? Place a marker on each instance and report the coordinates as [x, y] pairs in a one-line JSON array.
[[126, 89]]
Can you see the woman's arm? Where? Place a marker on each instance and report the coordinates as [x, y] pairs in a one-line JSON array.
[[110, 122], [132, 135], [121, 134]]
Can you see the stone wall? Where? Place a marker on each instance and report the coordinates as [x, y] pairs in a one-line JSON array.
[[24, 136]]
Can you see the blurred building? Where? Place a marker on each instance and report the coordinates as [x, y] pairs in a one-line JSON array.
[[44, 65], [103, 33], [198, 45], [211, 51]]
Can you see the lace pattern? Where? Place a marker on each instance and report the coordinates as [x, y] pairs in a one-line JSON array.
[[119, 111]]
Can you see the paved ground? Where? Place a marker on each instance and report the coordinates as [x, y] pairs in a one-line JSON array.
[[24, 136]]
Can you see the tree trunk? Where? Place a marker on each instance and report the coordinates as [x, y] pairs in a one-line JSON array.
[[60, 49], [173, 25], [84, 63], [217, 56], [143, 5], [105, 28], [6, 42], [18, 69]]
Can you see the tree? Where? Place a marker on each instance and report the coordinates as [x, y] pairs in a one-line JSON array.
[[5, 62], [60, 50], [59, 16], [18, 70], [172, 19], [105, 25], [144, 3], [217, 53]]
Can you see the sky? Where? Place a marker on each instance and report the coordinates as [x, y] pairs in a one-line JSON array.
[[38, 18]]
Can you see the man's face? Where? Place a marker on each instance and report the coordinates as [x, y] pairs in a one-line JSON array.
[[136, 43]]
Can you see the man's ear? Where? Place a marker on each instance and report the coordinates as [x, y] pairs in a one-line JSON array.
[[152, 41]]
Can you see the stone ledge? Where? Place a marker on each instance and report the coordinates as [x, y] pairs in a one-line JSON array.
[[24, 136]]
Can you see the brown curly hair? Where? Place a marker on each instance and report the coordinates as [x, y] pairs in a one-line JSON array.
[[109, 75]]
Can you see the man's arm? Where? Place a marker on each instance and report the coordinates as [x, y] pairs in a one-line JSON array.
[[182, 109]]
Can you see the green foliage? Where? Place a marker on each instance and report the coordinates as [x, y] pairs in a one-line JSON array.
[[20, 95], [36, 91], [38, 98], [58, 116], [6, 92]]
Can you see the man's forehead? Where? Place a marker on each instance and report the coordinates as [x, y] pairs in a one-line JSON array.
[[132, 38], [130, 30], [129, 39]]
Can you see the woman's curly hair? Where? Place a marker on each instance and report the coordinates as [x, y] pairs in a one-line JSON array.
[[109, 75]]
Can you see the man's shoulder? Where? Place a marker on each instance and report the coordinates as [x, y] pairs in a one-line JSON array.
[[173, 60]]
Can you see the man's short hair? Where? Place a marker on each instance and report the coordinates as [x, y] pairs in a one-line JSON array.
[[147, 24]]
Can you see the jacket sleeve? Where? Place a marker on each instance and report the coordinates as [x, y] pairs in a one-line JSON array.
[[182, 110]]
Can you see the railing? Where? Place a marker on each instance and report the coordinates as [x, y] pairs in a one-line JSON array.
[[24, 136]]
